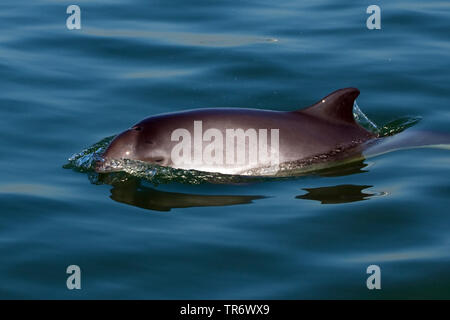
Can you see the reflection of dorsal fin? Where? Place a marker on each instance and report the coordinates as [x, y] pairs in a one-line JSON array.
[[336, 107]]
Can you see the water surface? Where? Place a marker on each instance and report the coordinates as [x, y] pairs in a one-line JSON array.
[[309, 237]]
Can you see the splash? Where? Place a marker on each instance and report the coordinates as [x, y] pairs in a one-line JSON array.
[[388, 129], [84, 161], [398, 125], [363, 120]]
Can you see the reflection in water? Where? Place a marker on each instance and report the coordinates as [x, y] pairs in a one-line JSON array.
[[129, 190], [337, 194], [352, 167], [133, 193]]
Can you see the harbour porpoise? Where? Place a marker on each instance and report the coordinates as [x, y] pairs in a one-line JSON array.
[[243, 141]]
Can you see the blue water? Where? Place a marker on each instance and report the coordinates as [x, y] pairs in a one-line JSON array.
[[309, 237]]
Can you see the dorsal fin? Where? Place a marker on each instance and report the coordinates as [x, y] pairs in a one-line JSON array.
[[335, 107]]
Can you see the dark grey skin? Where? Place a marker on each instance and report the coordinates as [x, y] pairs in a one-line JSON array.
[[325, 130]]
